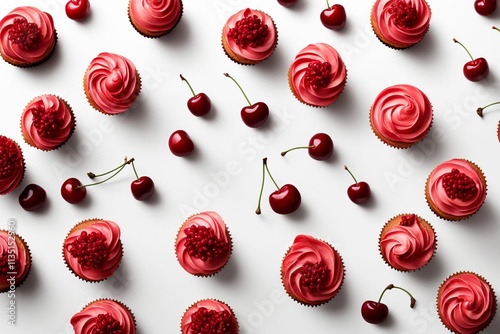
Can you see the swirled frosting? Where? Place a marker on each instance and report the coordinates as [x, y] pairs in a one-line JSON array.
[[299, 274], [114, 251], [45, 42], [317, 75], [112, 82], [47, 122], [408, 245], [15, 260], [192, 239], [155, 16], [401, 114], [11, 165], [400, 28], [211, 305], [455, 206], [98, 314], [264, 48], [466, 303]]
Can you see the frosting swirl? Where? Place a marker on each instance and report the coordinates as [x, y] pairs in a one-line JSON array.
[[112, 82], [209, 304], [308, 251], [401, 114], [87, 320], [330, 87], [156, 16], [11, 165], [46, 38], [466, 303], [13, 252]]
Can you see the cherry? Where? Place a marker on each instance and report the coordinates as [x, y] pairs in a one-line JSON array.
[[200, 103], [375, 312], [253, 115], [77, 9], [287, 3], [180, 143], [32, 197], [358, 192], [480, 109], [333, 17], [320, 147], [142, 187], [476, 69], [285, 200], [485, 7]]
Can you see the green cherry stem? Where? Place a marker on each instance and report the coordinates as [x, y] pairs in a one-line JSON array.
[[327, 4], [241, 89], [296, 148], [495, 28], [189, 85], [347, 169], [115, 170], [135, 171], [454, 40], [392, 286], [264, 170], [480, 109]]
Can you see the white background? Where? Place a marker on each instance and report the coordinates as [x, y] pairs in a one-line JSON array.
[[224, 173]]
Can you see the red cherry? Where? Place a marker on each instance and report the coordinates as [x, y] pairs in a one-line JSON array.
[[358, 192], [77, 9], [32, 197], [287, 3], [320, 147], [180, 143], [476, 69], [376, 312], [200, 103], [333, 17], [255, 115], [73, 191], [142, 188], [485, 7]]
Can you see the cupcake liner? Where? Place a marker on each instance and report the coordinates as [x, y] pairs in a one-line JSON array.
[[214, 300], [21, 242], [157, 35], [23, 163], [498, 131]]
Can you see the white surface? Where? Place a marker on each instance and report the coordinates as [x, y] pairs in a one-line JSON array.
[[224, 174]]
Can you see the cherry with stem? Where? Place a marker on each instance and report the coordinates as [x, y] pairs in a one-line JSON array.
[[320, 147], [359, 192], [475, 69], [142, 187], [376, 312], [199, 104]]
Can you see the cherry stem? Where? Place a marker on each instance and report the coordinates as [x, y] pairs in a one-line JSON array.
[[296, 148], [189, 85], [237, 84], [495, 28], [135, 171], [392, 286], [480, 109], [454, 40], [92, 175], [269, 173], [347, 169], [115, 170], [327, 4], [264, 169]]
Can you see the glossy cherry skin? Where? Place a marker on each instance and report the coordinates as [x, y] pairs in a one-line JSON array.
[[359, 192], [477, 69], [321, 146], [255, 115], [32, 197], [374, 312], [287, 3], [334, 17], [180, 143], [142, 188], [77, 9], [72, 191], [199, 105], [285, 200], [485, 7]]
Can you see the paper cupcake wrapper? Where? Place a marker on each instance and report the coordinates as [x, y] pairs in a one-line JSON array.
[[22, 279], [157, 35]]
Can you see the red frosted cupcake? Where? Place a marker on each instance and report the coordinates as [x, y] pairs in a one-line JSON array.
[[203, 244], [466, 303], [47, 122], [154, 18], [318, 75], [15, 260], [27, 36], [93, 250], [312, 271], [249, 36], [111, 83], [209, 316], [104, 316], [12, 165]]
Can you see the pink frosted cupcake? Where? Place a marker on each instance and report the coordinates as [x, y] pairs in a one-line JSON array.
[[318, 75], [12, 165], [15, 260], [111, 83], [27, 36], [104, 316], [312, 271], [209, 316], [93, 250], [47, 122], [203, 244], [154, 18]]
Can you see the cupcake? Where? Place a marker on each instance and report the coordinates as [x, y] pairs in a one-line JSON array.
[[203, 244], [47, 122], [401, 116], [407, 242], [12, 165], [27, 36], [318, 75], [154, 18], [466, 303], [15, 260], [104, 316], [249, 37], [455, 189], [93, 250], [312, 271], [111, 83], [209, 316], [400, 24]]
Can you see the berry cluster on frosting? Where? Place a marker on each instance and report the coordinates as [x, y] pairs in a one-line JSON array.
[[206, 321], [404, 14], [202, 243], [91, 249], [249, 31], [25, 34], [459, 185]]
